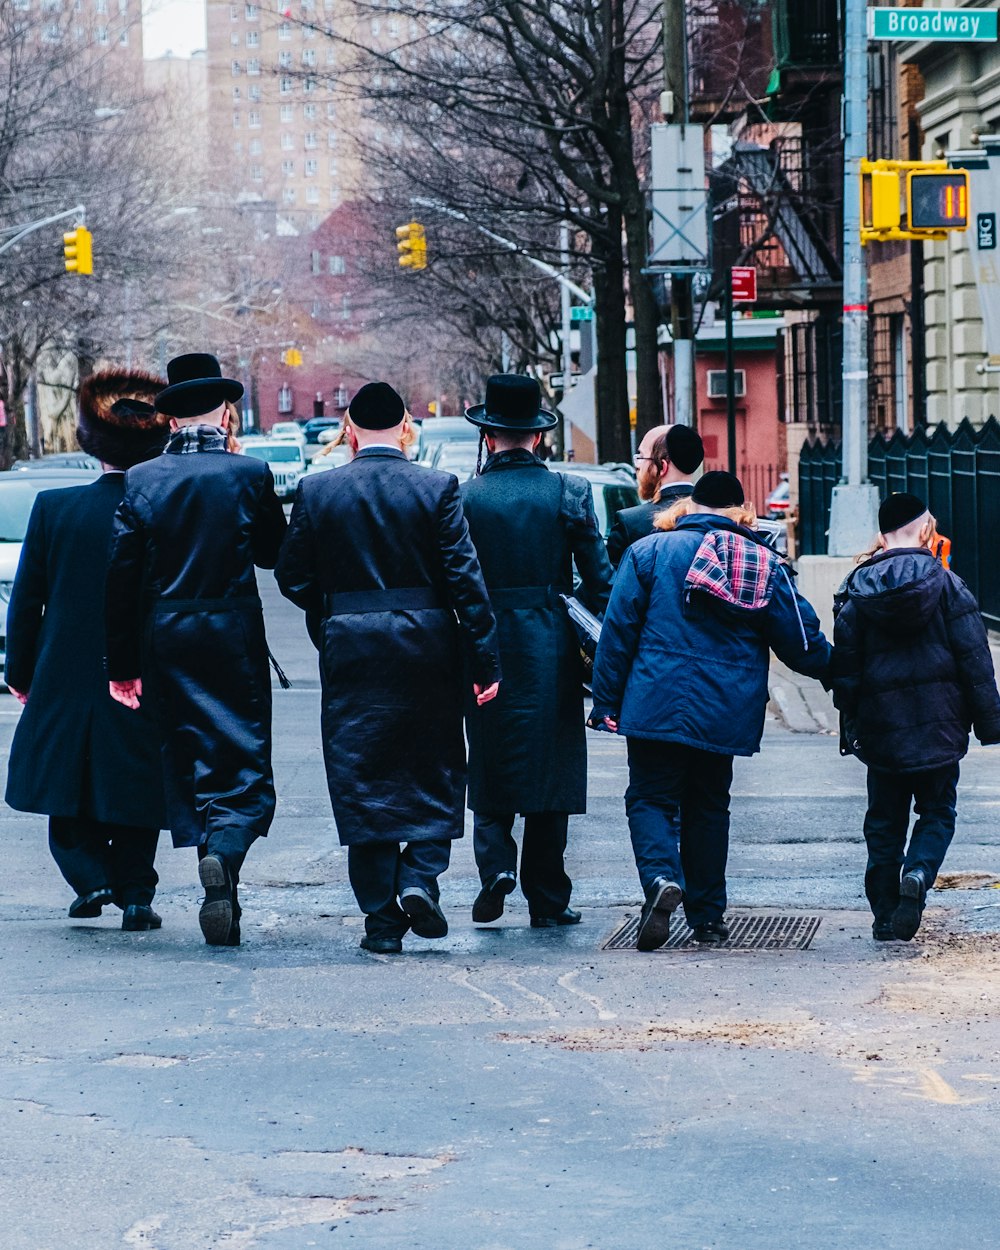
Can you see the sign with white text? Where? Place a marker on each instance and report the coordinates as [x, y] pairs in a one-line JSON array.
[[953, 25]]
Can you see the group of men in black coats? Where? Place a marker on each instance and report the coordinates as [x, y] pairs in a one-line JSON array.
[[414, 592]]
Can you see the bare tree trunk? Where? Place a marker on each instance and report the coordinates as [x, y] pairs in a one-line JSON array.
[[613, 441]]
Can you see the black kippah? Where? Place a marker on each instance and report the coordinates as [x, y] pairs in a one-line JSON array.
[[899, 510], [718, 489], [685, 448], [376, 407]]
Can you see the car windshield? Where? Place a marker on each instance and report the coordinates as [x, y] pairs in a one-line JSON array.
[[17, 494], [274, 453]]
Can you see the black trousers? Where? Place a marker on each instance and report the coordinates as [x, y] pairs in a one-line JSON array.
[[543, 875], [934, 795], [94, 855], [380, 871], [677, 804]]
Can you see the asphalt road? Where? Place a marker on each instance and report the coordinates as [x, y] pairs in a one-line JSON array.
[[505, 1089]]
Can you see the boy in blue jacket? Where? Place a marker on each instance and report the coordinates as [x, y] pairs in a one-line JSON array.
[[681, 671], [911, 672]]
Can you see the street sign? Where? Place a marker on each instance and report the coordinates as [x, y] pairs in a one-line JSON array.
[[950, 25], [986, 232], [582, 312], [679, 197], [744, 284]]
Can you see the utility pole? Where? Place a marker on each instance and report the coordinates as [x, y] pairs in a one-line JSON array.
[[731, 454], [674, 107], [854, 514], [567, 325]]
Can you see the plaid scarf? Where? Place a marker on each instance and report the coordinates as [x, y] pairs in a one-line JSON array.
[[735, 569], [192, 438]]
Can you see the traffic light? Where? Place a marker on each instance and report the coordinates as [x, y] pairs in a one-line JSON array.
[[412, 246], [291, 356], [78, 250], [937, 201]]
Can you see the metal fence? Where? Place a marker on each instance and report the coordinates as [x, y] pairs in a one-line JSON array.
[[956, 471], [758, 481]]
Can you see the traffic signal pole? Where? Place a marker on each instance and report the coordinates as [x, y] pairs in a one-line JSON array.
[[854, 513]]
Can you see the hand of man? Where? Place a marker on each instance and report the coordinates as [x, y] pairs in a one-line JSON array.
[[21, 698], [484, 695], [610, 723], [128, 693]]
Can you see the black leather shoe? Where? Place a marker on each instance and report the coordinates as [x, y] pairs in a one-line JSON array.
[[86, 906], [882, 931], [216, 914], [712, 933], [234, 934], [489, 904], [569, 916], [906, 917], [139, 919], [662, 899], [382, 945], [427, 920]]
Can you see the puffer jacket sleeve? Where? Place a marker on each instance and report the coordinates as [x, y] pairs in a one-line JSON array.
[[847, 660], [123, 596], [466, 588], [619, 638], [970, 646], [589, 553], [27, 603], [794, 633]]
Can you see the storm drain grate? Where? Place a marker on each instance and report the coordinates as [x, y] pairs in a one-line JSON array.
[[746, 932]]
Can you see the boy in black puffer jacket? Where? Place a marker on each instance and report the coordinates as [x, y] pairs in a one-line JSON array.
[[911, 673]]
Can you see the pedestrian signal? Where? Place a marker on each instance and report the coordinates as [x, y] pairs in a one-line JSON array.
[[937, 201], [412, 246], [78, 250]]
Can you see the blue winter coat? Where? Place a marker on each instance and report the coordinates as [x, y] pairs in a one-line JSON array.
[[678, 664]]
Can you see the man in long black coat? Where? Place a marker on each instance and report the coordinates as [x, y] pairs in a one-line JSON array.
[[79, 757], [184, 615], [527, 750], [378, 555], [667, 458]]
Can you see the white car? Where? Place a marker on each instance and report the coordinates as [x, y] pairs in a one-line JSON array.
[[288, 429], [17, 494], [286, 460]]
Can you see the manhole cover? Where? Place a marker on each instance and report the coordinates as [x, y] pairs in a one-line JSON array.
[[746, 932]]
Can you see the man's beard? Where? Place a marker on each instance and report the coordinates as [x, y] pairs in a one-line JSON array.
[[648, 482]]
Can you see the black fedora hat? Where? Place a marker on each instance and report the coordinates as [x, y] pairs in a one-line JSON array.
[[513, 402], [195, 386]]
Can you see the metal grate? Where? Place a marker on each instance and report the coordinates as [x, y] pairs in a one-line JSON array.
[[746, 932]]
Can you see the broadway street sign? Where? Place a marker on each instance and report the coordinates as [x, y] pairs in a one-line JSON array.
[[954, 25]]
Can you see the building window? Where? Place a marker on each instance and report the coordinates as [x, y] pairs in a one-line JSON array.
[[257, 173], [309, 112], [123, 39], [310, 139], [253, 120], [102, 35], [311, 167], [288, 195], [288, 112], [345, 308], [332, 139], [284, 60], [123, 7], [331, 56], [309, 32], [51, 33], [331, 112], [100, 6], [236, 69], [340, 397], [236, 119], [285, 85], [394, 27], [234, 12], [312, 195], [252, 12], [309, 56], [286, 401], [334, 167], [236, 93], [253, 38], [285, 30], [336, 264], [255, 147], [237, 148], [234, 40], [287, 141], [253, 94], [376, 26], [288, 168], [253, 67], [309, 85], [315, 260]]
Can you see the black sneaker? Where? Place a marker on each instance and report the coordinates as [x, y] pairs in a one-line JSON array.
[[427, 920], [906, 917], [489, 902], [712, 933], [216, 914], [662, 899]]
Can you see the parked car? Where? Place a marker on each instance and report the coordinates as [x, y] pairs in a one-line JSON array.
[[779, 500], [331, 459], [317, 426], [613, 486], [17, 494], [286, 459], [437, 430], [458, 458], [287, 429], [58, 460]]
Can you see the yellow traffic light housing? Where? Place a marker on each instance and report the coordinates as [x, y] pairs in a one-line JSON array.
[[78, 250], [412, 246], [291, 357], [931, 203]]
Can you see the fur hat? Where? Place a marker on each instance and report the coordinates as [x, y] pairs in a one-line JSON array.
[[898, 511], [118, 423]]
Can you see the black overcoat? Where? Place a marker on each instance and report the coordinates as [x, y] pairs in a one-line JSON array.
[[527, 749], [183, 613], [378, 554], [76, 752], [636, 522]]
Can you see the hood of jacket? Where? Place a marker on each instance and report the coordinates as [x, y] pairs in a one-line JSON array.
[[731, 564], [898, 589]]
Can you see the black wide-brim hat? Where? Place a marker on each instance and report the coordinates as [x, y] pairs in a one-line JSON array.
[[195, 386], [513, 403], [117, 421]]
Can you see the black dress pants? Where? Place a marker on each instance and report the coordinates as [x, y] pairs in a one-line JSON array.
[[380, 871], [933, 795], [94, 855], [543, 875]]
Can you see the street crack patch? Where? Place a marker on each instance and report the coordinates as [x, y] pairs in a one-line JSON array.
[[743, 1034]]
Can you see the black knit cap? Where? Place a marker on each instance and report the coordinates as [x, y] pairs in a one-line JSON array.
[[376, 407], [718, 489], [685, 449], [899, 510]]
